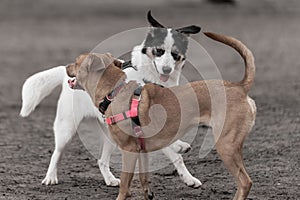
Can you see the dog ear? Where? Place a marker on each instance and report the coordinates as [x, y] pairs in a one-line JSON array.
[[153, 22], [95, 63], [189, 30], [108, 59]]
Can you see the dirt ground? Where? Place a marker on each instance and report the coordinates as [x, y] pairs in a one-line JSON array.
[[37, 35]]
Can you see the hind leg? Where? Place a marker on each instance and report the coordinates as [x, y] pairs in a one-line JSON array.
[[144, 175], [231, 154], [64, 129], [103, 163]]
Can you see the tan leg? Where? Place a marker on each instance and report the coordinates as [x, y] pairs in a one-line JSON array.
[[231, 154], [128, 165], [144, 175]]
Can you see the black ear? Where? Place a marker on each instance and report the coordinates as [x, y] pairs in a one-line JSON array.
[[153, 21], [189, 29]]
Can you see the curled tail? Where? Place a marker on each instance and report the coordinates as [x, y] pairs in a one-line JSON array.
[[40, 85], [244, 52]]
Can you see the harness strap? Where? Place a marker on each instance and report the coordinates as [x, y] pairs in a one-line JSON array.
[[128, 64], [104, 104], [109, 98], [139, 134], [133, 114]]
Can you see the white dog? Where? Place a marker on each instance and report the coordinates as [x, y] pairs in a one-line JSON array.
[[159, 59]]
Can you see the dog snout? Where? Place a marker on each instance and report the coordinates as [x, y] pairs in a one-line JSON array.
[[72, 82], [77, 86], [166, 69]]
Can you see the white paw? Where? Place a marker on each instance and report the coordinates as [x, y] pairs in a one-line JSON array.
[[181, 147], [50, 180], [114, 182], [191, 181], [109, 178]]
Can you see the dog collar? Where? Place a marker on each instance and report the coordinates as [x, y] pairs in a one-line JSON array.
[[128, 64], [109, 98]]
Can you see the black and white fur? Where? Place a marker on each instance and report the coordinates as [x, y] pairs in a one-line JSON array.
[[162, 54], [152, 66]]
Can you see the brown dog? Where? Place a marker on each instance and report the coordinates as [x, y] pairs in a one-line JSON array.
[[166, 114]]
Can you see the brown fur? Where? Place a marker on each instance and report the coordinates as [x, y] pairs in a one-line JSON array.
[[178, 114]]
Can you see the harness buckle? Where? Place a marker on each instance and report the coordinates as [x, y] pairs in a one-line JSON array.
[[112, 120], [138, 131]]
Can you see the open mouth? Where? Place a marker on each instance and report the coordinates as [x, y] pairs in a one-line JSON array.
[[163, 77], [72, 83]]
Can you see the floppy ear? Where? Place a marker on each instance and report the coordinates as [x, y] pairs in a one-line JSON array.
[[189, 30], [95, 63], [153, 21], [108, 59]]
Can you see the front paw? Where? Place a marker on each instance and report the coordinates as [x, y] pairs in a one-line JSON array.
[[113, 182], [191, 181], [109, 178], [50, 180], [122, 196], [181, 147]]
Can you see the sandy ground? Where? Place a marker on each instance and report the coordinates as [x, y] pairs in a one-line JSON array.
[[37, 35]]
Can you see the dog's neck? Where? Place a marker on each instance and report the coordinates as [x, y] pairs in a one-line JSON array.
[[106, 85], [110, 97]]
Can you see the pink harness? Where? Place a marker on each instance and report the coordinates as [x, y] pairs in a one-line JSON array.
[[133, 114]]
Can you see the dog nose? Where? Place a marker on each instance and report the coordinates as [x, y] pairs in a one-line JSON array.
[[166, 69]]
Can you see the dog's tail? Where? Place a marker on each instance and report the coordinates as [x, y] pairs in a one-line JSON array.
[[40, 85], [244, 52]]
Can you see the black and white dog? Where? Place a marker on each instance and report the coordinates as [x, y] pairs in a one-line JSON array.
[[159, 59]]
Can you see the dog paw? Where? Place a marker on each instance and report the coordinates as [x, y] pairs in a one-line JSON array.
[[191, 182], [150, 195], [109, 178], [181, 147], [48, 180], [113, 182]]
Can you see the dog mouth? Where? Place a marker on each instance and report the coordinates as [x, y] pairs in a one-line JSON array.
[[72, 82], [164, 77]]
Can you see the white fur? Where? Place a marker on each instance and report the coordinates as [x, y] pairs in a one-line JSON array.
[[38, 86], [67, 121], [166, 59], [252, 104], [146, 65]]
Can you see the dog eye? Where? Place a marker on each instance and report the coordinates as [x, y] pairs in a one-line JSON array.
[[175, 56], [144, 50], [159, 52]]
